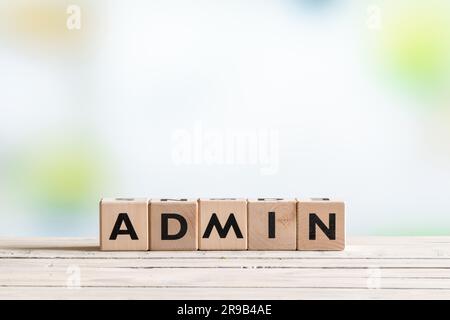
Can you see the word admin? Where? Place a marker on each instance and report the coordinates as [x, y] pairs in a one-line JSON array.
[[221, 224]]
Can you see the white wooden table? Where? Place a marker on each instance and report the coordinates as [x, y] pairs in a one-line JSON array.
[[370, 267]]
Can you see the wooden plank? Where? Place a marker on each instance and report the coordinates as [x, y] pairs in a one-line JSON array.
[[62, 270], [395, 247], [218, 293], [399, 267], [240, 263], [216, 277], [360, 252]]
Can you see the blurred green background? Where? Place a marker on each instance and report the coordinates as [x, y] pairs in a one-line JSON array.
[[358, 91]]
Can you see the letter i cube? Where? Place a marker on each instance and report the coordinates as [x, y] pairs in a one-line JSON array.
[[272, 224]]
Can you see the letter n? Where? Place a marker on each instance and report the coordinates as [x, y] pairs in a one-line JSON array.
[[329, 231]]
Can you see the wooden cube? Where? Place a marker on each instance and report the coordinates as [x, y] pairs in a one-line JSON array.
[[320, 224], [173, 224], [223, 224], [272, 224], [124, 224]]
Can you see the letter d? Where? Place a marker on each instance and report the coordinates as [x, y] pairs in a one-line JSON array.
[[165, 226]]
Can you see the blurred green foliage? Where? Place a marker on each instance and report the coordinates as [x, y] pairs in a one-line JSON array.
[[60, 175]]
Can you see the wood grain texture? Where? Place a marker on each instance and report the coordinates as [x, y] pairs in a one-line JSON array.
[[186, 208], [331, 213], [224, 210], [369, 268], [284, 231], [136, 210]]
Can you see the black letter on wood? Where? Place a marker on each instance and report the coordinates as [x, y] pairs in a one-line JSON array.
[[123, 217], [271, 225], [214, 222], [330, 231], [165, 226]]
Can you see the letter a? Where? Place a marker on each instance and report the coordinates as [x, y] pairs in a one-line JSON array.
[[123, 217]]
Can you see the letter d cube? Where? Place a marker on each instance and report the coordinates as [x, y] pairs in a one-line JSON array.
[[173, 224]]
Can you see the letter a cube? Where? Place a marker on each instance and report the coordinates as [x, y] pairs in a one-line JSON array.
[[124, 224]]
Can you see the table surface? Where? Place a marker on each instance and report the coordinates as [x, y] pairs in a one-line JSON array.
[[369, 268]]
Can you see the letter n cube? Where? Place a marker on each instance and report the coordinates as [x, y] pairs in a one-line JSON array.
[[320, 224]]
